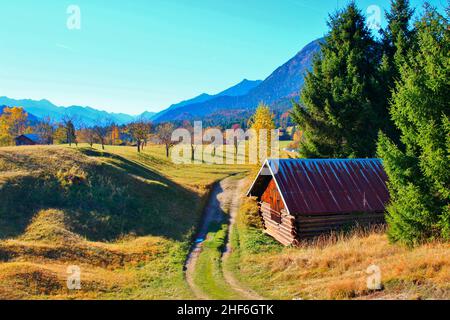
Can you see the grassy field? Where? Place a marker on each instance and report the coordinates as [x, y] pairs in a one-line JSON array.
[[125, 219], [335, 267]]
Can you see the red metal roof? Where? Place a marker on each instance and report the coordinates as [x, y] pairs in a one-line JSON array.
[[327, 186]]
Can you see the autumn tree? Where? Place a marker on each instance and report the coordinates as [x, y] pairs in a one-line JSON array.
[[164, 132], [59, 134], [263, 119], [194, 138], [419, 167], [297, 138], [339, 110], [115, 135], [139, 131], [86, 134], [101, 132], [13, 122]]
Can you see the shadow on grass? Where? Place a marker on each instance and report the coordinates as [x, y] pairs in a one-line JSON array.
[[102, 202]]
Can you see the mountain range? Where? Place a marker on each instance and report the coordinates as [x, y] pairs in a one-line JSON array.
[[91, 116], [276, 90], [87, 115], [284, 83]]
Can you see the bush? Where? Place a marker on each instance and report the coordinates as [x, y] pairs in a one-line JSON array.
[[249, 213]]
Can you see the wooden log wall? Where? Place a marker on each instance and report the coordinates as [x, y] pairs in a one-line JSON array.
[[289, 230], [285, 231], [312, 226], [273, 197]]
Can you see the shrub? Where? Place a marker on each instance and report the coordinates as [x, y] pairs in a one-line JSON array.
[[249, 213]]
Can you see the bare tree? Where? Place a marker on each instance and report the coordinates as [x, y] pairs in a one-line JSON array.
[[239, 136], [139, 130], [164, 132], [101, 130], [87, 134], [187, 125], [45, 130]]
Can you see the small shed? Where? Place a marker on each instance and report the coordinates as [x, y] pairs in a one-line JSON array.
[[304, 198], [27, 140]]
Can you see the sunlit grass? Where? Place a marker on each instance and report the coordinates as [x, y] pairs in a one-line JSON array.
[[334, 267], [146, 263]]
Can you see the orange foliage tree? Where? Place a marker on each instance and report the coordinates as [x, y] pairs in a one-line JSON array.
[[13, 122]]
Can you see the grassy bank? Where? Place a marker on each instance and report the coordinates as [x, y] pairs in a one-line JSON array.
[[208, 272], [335, 267], [125, 219]]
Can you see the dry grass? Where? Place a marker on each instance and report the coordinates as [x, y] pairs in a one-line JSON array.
[[337, 269], [125, 219], [34, 266], [334, 266]]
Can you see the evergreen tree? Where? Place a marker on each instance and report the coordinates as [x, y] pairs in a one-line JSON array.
[[397, 40], [70, 133], [339, 112], [398, 37], [419, 169]]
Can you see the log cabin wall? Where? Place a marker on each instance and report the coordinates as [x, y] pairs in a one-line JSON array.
[[277, 222], [283, 228], [290, 230], [273, 197], [313, 226]]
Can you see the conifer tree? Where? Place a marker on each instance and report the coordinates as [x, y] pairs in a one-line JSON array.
[[397, 39], [339, 109], [419, 167]]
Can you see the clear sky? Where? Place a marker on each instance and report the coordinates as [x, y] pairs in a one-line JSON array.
[[137, 55]]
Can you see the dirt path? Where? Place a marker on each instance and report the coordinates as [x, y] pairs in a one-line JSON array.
[[224, 199], [229, 277], [212, 213]]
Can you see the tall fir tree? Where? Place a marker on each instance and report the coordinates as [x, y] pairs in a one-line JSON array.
[[397, 39], [419, 168], [338, 109], [398, 36]]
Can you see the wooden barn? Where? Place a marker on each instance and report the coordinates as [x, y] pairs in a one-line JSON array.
[[27, 140], [304, 198]]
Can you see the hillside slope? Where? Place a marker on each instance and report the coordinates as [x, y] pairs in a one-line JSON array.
[[242, 88], [125, 219]]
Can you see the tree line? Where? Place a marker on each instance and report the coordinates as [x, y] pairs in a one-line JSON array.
[[14, 121], [387, 96]]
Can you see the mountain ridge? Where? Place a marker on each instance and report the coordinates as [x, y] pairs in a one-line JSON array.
[[284, 82], [282, 85]]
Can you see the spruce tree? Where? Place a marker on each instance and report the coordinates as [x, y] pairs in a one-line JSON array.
[[419, 167], [398, 36], [397, 39], [338, 109]]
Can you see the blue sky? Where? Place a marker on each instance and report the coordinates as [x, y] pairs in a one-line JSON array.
[[137, 55]]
